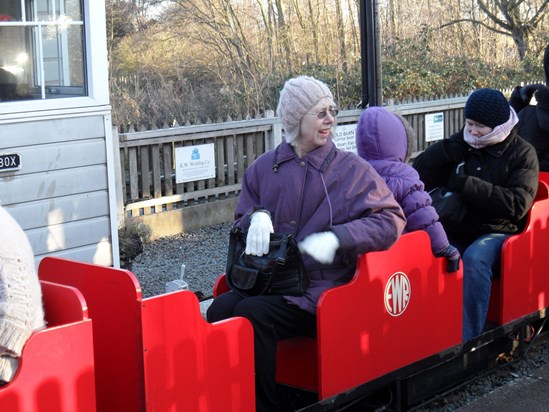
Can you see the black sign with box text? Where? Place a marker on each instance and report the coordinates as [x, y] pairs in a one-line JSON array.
[[10, 161]]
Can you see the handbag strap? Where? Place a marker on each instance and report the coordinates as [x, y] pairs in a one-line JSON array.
[[292, 242], [233, 238]]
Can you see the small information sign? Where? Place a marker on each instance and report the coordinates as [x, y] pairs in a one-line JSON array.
[[194, 163], [344, 137], [434, 127]]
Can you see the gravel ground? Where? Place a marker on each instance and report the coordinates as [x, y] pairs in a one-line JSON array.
[[204, 253], [506, 375]]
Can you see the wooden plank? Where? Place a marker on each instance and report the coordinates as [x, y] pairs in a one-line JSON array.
[[420, 127], [220, 162], [168, 168], [210, 183], [189, 186], [260, 143], [123, 182], [186, 133], [429, 106], [134, 175], [229, 151], [250, 153], [179, 187], [157, 186], [239, 158], [145, 172], [201, 184], [182, 197]]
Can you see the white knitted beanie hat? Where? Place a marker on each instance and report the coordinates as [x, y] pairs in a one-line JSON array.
[[298, 96]]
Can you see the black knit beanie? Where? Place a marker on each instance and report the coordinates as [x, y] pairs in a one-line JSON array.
[[488, 107]]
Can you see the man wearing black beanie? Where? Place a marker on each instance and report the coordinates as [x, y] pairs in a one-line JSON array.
[[493, 172], [531, 102]]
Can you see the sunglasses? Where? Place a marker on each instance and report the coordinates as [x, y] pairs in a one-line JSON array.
[[322, 114]]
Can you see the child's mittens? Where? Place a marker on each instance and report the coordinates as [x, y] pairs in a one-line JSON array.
[[452, 254]]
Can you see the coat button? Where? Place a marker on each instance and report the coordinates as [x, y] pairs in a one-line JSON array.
[[293, 223], [302, 164]]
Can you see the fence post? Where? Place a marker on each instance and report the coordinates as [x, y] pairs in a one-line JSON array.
[[274, 136], [118, 176]]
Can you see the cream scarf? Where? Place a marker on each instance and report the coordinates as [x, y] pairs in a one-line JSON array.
[[497, 135]]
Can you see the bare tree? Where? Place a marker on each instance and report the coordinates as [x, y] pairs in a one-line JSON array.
[[196, 58], [341, 34], [517, 19]]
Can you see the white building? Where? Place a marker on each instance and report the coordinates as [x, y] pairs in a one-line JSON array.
[[56, 149]]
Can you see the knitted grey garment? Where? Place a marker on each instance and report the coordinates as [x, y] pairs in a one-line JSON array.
[[21, 309]]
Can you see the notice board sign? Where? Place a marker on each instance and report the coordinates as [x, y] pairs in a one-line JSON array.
[[194, 163], [434, 127], [344, 137]]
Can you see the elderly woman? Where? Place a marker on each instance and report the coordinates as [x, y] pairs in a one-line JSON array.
[[331, 201]]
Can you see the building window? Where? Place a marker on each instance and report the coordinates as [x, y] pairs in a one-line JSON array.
[[41, 49]]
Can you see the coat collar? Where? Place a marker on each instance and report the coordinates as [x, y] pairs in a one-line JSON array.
[[319, 158]]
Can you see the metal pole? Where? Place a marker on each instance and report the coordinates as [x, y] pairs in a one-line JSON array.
[[378, 101], [364, 60], [371, 53]]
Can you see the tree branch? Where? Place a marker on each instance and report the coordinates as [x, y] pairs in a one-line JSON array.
[[458, 21]]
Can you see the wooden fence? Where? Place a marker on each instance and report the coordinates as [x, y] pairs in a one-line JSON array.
[[147, 178]]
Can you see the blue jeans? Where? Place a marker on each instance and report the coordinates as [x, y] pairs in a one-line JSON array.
[[479, 260]]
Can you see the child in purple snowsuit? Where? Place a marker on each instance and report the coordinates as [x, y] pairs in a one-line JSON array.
[[385, 140]]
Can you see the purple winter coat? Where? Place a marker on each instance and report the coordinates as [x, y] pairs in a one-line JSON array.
[[383, 141], [328, 189]]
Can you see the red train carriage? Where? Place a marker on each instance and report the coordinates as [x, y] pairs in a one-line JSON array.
[[392, 335]]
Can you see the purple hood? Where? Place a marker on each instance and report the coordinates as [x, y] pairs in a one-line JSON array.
[[396, 144]]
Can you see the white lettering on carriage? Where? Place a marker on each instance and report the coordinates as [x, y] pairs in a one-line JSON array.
[[397, 294]]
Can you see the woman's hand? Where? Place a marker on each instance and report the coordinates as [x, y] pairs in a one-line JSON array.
[[259, 234], [320, 246]]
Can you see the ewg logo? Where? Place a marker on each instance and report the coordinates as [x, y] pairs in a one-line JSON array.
[[397, 294]]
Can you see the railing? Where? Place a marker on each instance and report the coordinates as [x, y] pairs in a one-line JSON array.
[[148, 179]]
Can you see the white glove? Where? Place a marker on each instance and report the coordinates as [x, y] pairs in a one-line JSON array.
[[261, 227], [320, 246]]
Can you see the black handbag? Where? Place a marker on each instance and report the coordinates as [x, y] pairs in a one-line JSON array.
[[450, 207], [280, 272]]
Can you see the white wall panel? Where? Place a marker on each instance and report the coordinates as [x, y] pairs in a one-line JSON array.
[[60, 210], [55, 238], [97, 253], [50, 131], [52, 184]]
